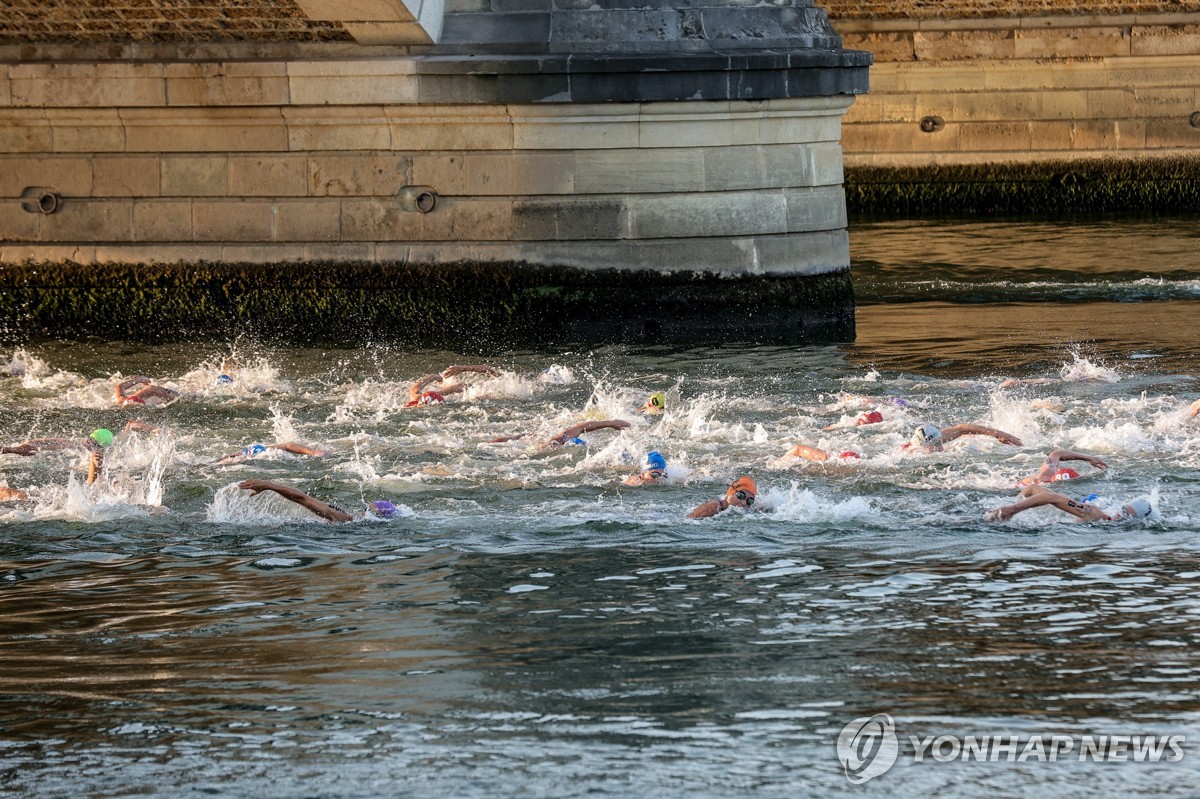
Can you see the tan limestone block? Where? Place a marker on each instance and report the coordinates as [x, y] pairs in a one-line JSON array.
[[343, 251], [156, 253], [25, 131], [227, 83], [993, 136], [17, 224], [195, 176], [268, 176], [1055, 136], [162, 220], [383, 33], [5, 87], [366, 82], [1132, 134], [923, 78], [357, 175], [308, 220], [1178, 71], [21, 253], [1094, 134], [543, 173], [889, 107], [95, 85], [338, 128], [263, 253], [1112, 104], [1171, 102], [86, 131], [885, 46], [964, 45], [597, 133], [989, 106], [464, 173], [339, 10], [378, 220], [1072, 43], [645, 170], [468, 219], [231, 220], [90, 221], [1162, 40], [1174, 132], [451, 127], [69, 176], [1065, 105], [126, 176], [204, 130]]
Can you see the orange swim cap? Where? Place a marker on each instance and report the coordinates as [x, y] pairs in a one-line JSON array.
[[1066, 474], [744, 484]]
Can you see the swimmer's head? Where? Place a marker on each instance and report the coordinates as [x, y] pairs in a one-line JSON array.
[[743, 491], [224, 379], [848, 455], [870, 417], [657, 403], [927, 436], [577, 442], [654, 460], [382, 508], [1137, 509], [903, 403], [254, 449], [1066, 473], [102, 436]]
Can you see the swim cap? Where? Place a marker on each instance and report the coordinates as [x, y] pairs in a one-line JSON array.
[[1089, 498], [427, 398], [655, 460], [744, 484], [903, 403], [383, 509], [579, 442], [657, 403], [848, 454], [1065, 474], [224, 379], [1138, 509], [871, 417], [926, 435], [254, 449], [103, 436]]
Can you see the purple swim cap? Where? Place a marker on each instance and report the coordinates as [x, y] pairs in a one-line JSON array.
[[383, 508]]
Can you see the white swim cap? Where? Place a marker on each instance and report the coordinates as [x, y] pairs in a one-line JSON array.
[[1138, 508], [926, 435]]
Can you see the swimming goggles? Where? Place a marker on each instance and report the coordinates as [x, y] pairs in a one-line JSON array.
[[745, 496]]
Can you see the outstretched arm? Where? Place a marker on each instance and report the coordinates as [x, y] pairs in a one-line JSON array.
[[707, 509], [1050, 466], [960, 430], [586, 427], [414, 391], [808, 453], [318, 507], [298, 449], [35, 445], [1037, 496], [483, 369]]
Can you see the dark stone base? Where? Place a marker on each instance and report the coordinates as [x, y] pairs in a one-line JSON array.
[[1012, 189], [469, 307]]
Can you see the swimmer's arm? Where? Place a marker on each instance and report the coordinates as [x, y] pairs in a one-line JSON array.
[[483, 369], [34, 445], [586, 427], [1067, 455], [161, 392], [298, 449], [12, 494], [95, 463], [1195, 406], [706, 510], [808, 453], [129, 383], [1035, 499], [299, 497], [959, 430], [414, 391]]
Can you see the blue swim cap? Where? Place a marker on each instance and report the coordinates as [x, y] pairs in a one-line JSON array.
[[576, 441], [224, 379], [383, 509], [1090, 498], [254, 449], [655, 460]]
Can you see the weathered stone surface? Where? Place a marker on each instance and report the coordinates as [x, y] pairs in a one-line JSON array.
[[268, 176], [126, 176]]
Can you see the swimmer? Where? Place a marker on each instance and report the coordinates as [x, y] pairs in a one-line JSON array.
[[571, 435], [929, 438], [150, 395], [420, 394], [1036, 496], [655, 404], [326, 510], [254, 450], [818, 454], [1052, 472], [864, 418], [12, 494], [654, 471], [740, 494], [94, 444]]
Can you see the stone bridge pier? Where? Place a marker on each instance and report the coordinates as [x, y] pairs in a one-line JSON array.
[[488, 168]]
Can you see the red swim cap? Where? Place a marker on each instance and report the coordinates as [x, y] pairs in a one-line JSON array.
[[428, 398], [1066, 474], [849, 454], [871, 417]]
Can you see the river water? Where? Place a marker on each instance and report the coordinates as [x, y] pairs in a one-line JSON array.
[[528, 626]]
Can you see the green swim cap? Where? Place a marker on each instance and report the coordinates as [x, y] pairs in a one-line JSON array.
[[103, 436]]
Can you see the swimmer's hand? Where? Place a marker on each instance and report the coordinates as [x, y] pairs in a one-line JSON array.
[[1001, 514], [256, 487], [1008, 438]]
